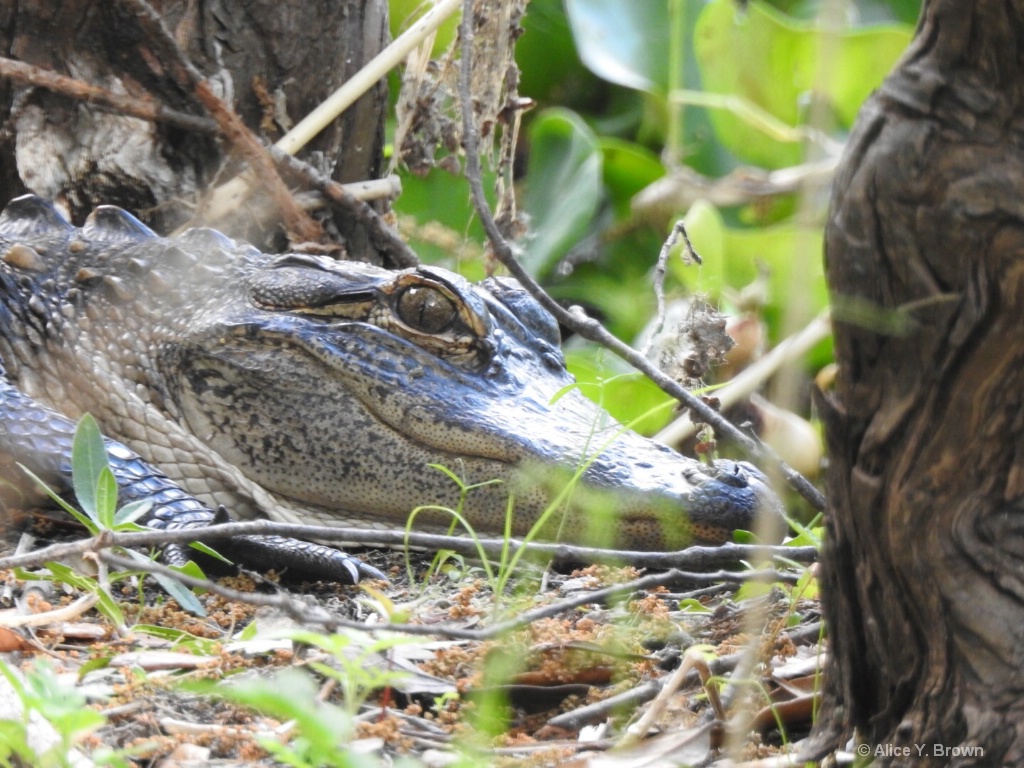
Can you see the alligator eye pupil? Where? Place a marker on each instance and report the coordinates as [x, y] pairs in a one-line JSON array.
[[426, 309]]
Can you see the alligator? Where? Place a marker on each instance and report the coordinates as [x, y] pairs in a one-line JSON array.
[[306, 389]]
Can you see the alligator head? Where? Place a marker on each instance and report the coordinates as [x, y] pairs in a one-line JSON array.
[[342, 386], [320, 391]]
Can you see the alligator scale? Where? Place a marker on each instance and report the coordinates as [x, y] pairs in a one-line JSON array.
[[310, 390]]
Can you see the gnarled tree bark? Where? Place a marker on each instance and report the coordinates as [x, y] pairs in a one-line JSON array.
[[924, 566], [272, 62]]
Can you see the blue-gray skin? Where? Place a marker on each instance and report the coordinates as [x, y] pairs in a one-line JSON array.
[[311, 390]]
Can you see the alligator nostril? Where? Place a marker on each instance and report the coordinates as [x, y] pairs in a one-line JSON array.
[[645, 465]]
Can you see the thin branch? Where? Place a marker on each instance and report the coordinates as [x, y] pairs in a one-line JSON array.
[[142, 108], [383, 236], [306, 614], [692, 558], [690, 255], [587, 327]]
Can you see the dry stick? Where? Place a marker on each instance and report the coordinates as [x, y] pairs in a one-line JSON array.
[[303, 612], [65, 613], [141, 108], [297, 223], [585, 326], [383, 236], [691, 558], [690, 256]]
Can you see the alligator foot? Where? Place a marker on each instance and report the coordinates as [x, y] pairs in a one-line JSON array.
[[300, 560]]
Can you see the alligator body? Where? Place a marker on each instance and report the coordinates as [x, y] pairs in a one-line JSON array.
[[309, 390]]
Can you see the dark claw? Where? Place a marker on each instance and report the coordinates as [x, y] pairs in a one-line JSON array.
[[300, 560]]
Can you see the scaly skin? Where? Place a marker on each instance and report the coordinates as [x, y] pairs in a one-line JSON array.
[[310, 390]]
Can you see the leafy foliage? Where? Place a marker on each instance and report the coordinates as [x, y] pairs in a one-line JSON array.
[[96, 491], [635, 95]]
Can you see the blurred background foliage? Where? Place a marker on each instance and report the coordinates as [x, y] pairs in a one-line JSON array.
[[727, 115]]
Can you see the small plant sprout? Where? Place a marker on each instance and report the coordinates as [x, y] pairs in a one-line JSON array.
[[96, 491]]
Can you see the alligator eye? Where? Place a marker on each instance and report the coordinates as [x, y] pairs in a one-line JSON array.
[[426, 309]]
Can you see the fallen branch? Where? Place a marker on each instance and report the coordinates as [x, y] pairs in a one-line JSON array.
[[142, 108], [692, 558]]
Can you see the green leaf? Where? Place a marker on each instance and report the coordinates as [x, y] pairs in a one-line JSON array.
[[623, 41], [173, 587], [106, 498], [564, 188], [775, 62], [210, 551], [627, 169], [88, 458], [181, 593], [625, 397]]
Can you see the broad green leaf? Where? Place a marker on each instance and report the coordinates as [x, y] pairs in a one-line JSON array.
[[623, 41], [106, 498], [627, 169], [625, 397], [563, 190], [88, 458], [775, 62], [550, 68]]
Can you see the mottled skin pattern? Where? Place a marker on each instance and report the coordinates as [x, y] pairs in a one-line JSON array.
[[309, 390]]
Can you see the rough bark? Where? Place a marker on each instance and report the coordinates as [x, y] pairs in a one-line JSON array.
[[924, 567], [272, 61]]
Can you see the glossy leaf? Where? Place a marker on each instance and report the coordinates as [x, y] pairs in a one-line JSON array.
[[564, 188], [632, 399], [88, 459], [623, 41], [627, 168], [775, 62]]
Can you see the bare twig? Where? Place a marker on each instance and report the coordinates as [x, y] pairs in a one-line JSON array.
[[142, 108], [303, 612], [692, 558], [587, 327], [383, 236], [57, 615], [634, 696], [747, 381], [690, 255], [693, 660], [683, 187]]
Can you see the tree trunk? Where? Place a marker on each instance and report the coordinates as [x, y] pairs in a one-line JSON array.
[[924, 566], [272, 61]]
